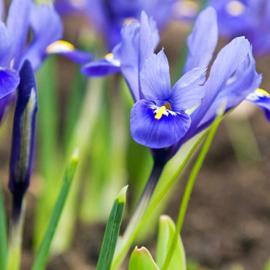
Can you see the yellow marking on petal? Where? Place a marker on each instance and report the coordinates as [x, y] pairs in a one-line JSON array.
[[129, 21], [109, 56], [60, 46], [235, 8], [262, 92], [159, 112]]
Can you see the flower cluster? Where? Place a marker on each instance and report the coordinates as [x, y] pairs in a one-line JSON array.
[[108, 17], [249, 18], [165, 116]]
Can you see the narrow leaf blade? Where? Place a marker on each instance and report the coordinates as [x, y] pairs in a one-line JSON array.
[[43, 252], [112, 232]]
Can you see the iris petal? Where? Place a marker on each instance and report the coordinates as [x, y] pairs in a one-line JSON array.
[[262, 100], [201, 46], [41, 16], [100, 68], [157, 133], [188, 90], [155, 77], [9, 81], [17, 23]]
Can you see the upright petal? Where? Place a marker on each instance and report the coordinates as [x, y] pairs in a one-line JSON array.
[[188, 91], [139, 41], [41, 16], [18, 25], [153, 133], [203, 40], [155, 77]]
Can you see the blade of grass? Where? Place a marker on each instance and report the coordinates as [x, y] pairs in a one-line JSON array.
[[112, 232], [3, 233], [43, 252], [189, 187]]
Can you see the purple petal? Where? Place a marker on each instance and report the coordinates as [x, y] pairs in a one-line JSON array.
[[66, 49], [43, 15], [188, 90], [203, 40], [261, 99], [18, 25], [155, 77], [153, 133], [100, 68]]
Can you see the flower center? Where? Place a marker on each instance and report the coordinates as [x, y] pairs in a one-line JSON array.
[[162, 110]]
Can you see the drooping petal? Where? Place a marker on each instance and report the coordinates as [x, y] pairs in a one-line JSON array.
[[23, 136], [154, 133], [100, 68], [66, 49], [155, 77], [203, 40], [17, 23], [5, 45], [188, 91], [9, 81], [42, 16], [228, 61], [261, 98]]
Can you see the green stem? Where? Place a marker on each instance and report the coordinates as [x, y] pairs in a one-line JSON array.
[[15, 242], [3, 233], [189, 188], [163, 188]]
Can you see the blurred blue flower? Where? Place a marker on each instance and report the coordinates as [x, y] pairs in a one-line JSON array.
[[108, 16], [23, 137], [250, 18], [25, 18], [138, 41]]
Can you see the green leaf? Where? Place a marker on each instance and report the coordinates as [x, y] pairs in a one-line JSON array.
[[141, 259], [165, 235], [112, 232], [3, 233], [267, 265], [43, 252]]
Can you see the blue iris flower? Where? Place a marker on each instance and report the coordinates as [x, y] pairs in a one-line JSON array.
[[250, 18], [108, 16], [165, 117]]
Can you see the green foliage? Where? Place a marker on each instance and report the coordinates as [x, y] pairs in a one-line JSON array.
[[43, 252], [112, 232], [165, 235], [3, 233], [141, 259]]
